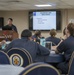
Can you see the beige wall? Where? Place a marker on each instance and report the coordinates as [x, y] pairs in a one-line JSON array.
[[21, 19]]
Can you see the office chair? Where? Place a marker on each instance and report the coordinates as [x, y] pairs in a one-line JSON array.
[[39, 69], [19, 57], [4, 58]]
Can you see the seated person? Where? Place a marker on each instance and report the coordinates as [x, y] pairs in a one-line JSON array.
[[52, 38], [32, 47], [66, 47], [36, 37], [64, 34]]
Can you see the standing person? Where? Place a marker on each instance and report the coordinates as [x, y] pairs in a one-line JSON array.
[[10, 24], [32, 47], [66, 47], [52, 37]]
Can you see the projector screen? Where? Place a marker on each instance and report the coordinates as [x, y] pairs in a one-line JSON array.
[[43, 20]]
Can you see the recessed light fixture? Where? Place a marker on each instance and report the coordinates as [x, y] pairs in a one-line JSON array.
[[43, 5]]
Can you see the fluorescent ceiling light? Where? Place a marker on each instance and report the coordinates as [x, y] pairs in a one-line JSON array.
[[43, 5]]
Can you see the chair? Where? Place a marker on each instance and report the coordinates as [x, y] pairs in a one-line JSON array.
[[39, 69], [71, 65], [4, 58], [19, 57]]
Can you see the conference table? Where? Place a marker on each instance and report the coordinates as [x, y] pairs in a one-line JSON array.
[[51, 58]]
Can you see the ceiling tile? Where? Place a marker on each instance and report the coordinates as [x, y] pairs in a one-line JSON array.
[[29, 4], [69, 2], [32, 1]]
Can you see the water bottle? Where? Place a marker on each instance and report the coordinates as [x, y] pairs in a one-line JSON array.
[[42, 41], [3, 46]]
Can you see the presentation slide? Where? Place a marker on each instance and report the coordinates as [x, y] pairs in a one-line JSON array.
[[44, 20]]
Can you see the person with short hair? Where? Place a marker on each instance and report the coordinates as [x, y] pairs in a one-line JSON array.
[[32, 47], [66, 47], [10, 20], [52, 37]]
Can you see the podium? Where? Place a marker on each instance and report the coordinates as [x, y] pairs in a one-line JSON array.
[[8, 35]]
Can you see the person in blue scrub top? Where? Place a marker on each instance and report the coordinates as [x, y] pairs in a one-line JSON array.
[[36, 37], [32, 47], [52, 37], [66, 47]]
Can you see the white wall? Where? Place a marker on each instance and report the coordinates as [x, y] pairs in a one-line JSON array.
[[20, 19]]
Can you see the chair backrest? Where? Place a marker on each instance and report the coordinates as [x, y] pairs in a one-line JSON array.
[[71, 65], [40, 69], [4, 58], [19, 57]]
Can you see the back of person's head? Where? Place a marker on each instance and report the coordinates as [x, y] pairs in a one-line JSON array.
[[70, 28], [26, 33], [53, 32], [37, 33]]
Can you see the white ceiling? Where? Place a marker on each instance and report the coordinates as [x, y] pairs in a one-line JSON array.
[[29, 4]]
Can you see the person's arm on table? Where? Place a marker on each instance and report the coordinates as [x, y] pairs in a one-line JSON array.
[[42, 50], [60, 48]]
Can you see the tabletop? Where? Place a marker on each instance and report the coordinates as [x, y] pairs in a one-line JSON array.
[[51, 58]]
